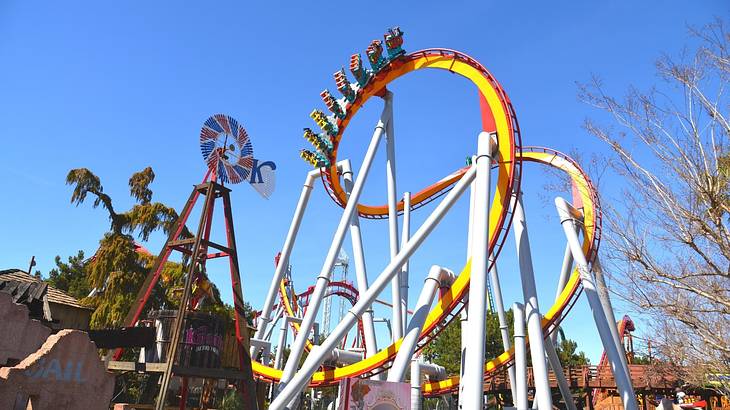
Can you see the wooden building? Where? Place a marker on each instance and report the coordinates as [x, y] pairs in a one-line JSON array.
[[55, 308]]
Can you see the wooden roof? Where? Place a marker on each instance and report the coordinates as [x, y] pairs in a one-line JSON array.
[[27, 287]]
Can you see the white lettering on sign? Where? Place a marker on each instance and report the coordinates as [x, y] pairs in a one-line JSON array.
[[70, 373]]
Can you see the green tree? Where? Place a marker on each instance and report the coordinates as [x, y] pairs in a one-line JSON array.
[[70, 277], [117, 268], [568, 354], [640, 359], [445, 349], [231, 401]]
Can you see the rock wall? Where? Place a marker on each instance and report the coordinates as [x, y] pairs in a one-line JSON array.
[[21, 335], [64, 373]]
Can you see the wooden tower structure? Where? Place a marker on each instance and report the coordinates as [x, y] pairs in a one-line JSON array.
[[228, 152]]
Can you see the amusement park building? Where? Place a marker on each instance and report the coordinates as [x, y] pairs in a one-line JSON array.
[[53, 307]]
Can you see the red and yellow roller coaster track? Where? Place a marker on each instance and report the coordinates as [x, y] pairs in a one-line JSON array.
[[500, 118]]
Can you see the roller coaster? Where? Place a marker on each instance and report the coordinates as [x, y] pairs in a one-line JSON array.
[[492, 216]]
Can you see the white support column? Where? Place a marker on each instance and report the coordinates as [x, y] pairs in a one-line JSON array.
[[472, 198], [279, 314], [554, 360], [385, 321], [474, 353], [464, 315], [532, 308], [371, 344], [603, 295], [281, 268], [520, 398], [313, 361], [323, 278], [503, 326], [416, 383], [464, 323], [405, 236], [565, 270], [437, 277], [342, 356], [397, 322], [283, 332], [433, 371], [623, 382]]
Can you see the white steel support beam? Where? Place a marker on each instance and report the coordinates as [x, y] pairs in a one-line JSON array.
[[342, 356], [520, 398], [371, 344], [623, 382], [433, 371], [554, 360], [405, 236], [323, 278], [437, 277], [416, 383], [464, 315], [473, 359], [283, 332], [265, 347], [603, 295], [281, 268], [503, 326], [279, 314], [278, 360], [313, 361], [532, 308], [565, 270], [397, 321]]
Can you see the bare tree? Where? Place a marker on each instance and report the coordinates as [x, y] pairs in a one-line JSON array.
[[667, 237]]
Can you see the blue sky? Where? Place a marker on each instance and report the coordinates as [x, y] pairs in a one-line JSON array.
[[119, 86]]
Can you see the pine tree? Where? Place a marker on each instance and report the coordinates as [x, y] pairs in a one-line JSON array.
[[70, 277], [117, 270]]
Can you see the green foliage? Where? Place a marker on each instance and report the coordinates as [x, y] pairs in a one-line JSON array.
[[147, 218], [144, 218], [640, 359], [445, 350], [86, 182], [227, 311], [494, 346], [70, 277], [568, 355], [232, 400], [115, 254], [139, 185], [116, 269]]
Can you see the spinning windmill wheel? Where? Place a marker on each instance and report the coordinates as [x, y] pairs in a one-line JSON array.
[[226, 148]]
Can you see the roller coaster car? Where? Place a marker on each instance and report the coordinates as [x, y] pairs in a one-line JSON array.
[[362, 75], [394, 42], [375, 55]]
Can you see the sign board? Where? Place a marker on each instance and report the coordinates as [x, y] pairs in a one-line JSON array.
[[363, 394]]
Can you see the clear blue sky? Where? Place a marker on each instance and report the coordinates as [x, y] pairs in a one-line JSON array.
[[118, 86]]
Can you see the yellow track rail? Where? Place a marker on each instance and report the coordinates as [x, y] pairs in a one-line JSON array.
[[508, 156]]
